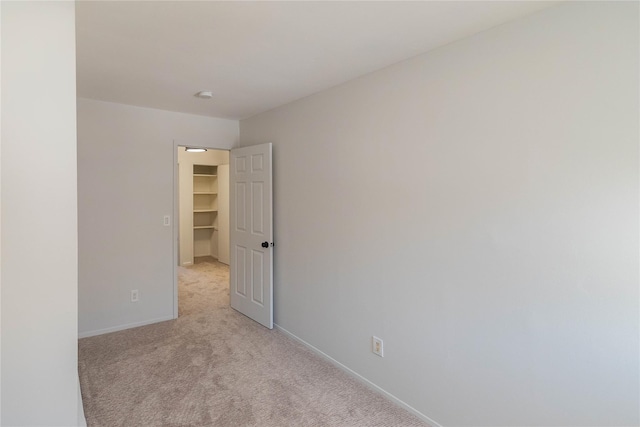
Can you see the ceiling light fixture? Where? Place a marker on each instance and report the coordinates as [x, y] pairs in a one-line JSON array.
[[205, 94], [195, 150]]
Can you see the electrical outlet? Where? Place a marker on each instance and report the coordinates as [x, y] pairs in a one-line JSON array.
[[134, 295], [376, 346]]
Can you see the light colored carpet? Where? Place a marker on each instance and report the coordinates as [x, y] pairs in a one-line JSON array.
[[215, 367]]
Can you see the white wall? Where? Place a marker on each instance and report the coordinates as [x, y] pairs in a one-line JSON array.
[[477, 208], [186, 160], [125, 187], [39, 220]]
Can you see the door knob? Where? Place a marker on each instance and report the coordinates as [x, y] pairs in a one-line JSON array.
[[265, 244]]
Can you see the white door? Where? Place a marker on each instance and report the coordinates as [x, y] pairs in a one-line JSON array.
[[251, 233]]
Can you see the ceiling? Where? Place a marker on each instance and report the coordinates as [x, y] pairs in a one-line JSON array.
[[255, 56]]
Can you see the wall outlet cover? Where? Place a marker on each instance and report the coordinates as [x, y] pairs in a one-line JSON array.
[[377, 346]]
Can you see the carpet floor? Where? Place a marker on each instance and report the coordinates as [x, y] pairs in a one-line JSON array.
[[215, 367]]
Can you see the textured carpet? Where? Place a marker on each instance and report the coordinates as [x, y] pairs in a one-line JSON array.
[[215, 367]]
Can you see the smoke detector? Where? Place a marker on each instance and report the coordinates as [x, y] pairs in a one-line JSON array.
[[205, 94]]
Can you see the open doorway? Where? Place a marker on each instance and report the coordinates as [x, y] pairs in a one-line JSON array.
[[249, 285], [202, 212], [203, 199]]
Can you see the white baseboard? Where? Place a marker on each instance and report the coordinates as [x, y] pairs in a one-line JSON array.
[[360, 378], [93, 333], [82, 421]]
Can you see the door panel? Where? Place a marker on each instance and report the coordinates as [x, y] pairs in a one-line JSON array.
[[251, 286]]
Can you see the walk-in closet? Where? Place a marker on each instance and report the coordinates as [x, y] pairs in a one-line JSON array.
[[203, 179]]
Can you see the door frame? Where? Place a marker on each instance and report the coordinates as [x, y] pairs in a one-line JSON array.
[[175, 225]]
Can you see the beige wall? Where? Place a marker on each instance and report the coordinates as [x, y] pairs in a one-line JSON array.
[[39, 216], [477, 208], [126, 159], [224, 244]]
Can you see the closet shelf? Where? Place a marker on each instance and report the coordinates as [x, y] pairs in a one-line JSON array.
[[205, 210]]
